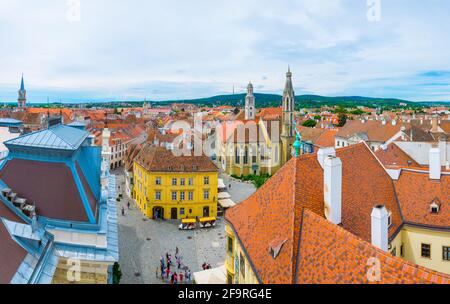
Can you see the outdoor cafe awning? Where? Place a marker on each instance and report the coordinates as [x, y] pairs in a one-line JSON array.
[[226, 203], [222, 184], [224, 195], [211, 276]]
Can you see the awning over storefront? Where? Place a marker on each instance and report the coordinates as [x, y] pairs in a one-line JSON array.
[[224, 195], [211, 276], [222, 184], [226, 203]]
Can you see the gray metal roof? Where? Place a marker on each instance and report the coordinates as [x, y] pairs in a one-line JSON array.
[[59, 137]]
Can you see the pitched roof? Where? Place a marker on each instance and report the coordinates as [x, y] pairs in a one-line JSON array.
[[11, 253], [331, 255], [59, 137], [50, 186], [392, 155], [326, 139], [375, 130], [277, 209], [159, 159], [416, 192]]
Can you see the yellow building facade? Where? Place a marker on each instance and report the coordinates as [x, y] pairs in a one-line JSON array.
[[175, 195], [425, 247], [239, 270]]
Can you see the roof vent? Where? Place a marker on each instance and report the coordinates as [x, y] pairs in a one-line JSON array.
[[275, 247]]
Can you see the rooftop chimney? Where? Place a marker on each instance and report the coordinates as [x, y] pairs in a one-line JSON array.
[[435, 163], [434, 124], [323, 153], [332, 191], [380, 227]]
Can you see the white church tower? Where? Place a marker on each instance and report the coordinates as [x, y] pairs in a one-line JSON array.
[[250, 110]]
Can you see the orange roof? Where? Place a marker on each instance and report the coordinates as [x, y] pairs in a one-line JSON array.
[[394, 156], [276, 211], [416, 192], [327, 138], [375, 130]]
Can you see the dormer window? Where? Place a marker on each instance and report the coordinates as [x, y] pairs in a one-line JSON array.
[[389, 219], [434, 208]]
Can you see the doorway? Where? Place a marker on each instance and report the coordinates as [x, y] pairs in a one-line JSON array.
[[174, 213], [158, 213], [205, 211]]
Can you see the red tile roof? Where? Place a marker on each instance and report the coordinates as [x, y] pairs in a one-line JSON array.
[[277, 211], [159, 159], [416, 192], [392, 155], [375, 130]]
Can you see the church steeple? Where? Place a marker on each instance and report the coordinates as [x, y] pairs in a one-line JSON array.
[[288, 106], [22, 99], [250, 110], [288, 123]]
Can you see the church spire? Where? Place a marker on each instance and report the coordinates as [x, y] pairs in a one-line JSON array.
[[288, 106], [22, 99], [22, 85]]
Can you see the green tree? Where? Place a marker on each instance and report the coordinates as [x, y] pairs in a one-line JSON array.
[[310, 123], [342, 119], [117, 273]]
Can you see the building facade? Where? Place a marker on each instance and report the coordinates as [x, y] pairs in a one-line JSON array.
[[58, 212], [174, 187]]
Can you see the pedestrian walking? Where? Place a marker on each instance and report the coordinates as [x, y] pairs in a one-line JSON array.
[[181, 277], [128, 205], [176, 251], [123, 211], [175, 278], [167, 273]]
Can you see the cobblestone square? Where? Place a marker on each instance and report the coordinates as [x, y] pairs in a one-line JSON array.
[[143, 241]]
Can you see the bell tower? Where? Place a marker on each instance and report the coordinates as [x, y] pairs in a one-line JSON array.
[[250, 103], [287, 128]]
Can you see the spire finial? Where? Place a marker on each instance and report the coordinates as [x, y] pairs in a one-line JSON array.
[[22, 84]]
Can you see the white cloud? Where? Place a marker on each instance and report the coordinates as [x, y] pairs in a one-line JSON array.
[[204, 47]]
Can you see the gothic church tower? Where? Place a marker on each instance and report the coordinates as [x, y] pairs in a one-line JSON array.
[[287, 128]]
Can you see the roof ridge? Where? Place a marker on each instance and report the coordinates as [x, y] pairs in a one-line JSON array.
[[61, 138]]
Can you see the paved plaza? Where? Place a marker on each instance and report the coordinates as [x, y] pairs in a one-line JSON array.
[[143, 241]]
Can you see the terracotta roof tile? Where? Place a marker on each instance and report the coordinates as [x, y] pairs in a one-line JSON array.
[[315, 249]]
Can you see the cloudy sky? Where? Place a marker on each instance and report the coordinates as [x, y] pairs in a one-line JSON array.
[[172, 49]]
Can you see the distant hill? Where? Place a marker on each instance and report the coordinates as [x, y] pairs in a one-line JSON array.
[[302, 101], [274, 100]]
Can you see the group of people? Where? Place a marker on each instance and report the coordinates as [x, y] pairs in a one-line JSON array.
[[171, 271]]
